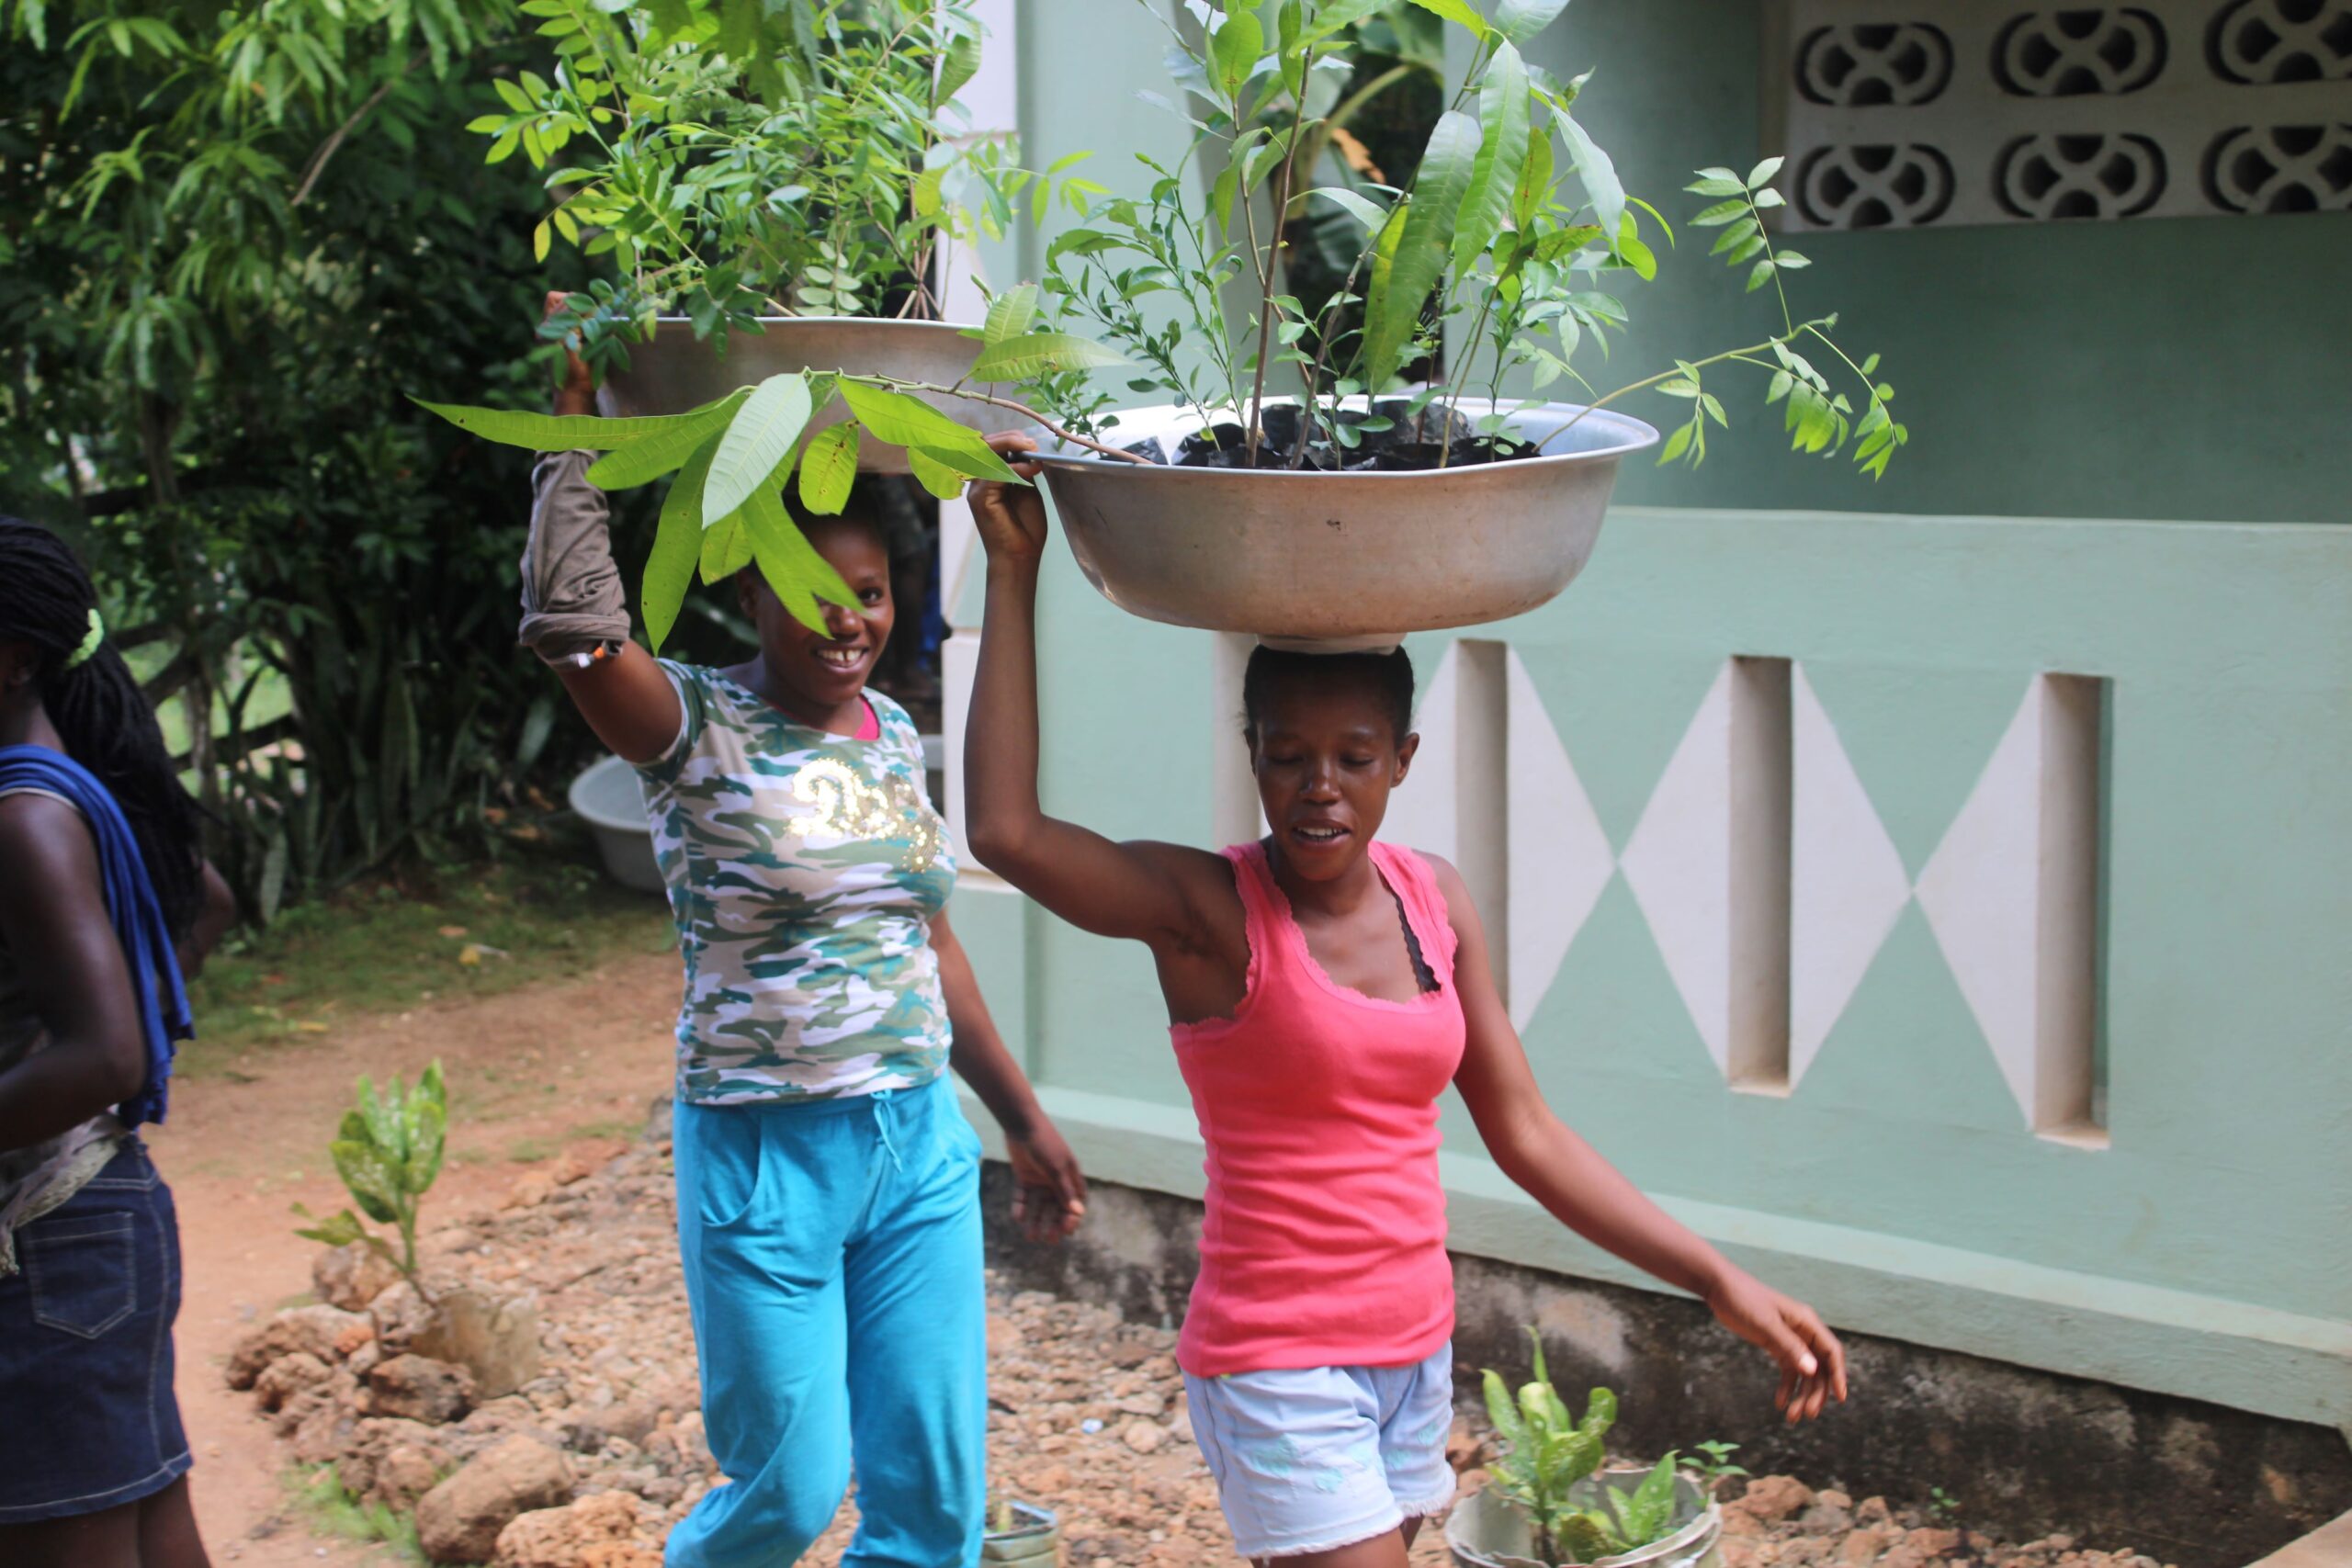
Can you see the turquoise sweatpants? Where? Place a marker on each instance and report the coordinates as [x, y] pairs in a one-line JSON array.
[[833, 1263]]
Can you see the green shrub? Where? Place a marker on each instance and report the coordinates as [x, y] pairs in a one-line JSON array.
[[1548, 1452]]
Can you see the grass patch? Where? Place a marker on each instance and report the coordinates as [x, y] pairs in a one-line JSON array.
[[320, 1497], [397, 943]]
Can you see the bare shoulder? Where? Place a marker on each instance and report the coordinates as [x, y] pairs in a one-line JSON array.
[[1461, 909], [46, 846]]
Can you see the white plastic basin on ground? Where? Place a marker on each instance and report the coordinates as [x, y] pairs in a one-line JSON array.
[[607, 798]]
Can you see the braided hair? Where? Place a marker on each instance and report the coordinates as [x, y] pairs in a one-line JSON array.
[[47, 599]]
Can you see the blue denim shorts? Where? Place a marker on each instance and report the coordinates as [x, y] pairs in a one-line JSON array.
[[1321, 1457], [85, 1351]]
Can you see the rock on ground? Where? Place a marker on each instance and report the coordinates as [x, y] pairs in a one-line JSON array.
[[461, 1519]]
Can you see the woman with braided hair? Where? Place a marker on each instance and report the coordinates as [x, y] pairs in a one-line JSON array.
[[105, 895]]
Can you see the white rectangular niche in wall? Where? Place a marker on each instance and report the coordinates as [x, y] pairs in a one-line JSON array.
[[2013, 896], [1757, 1058]]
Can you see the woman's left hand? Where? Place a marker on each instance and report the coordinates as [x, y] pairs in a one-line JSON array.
[[1049, 1190], [1812, 1362]]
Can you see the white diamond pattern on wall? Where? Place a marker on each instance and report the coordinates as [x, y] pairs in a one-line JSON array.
[[2008, 893]]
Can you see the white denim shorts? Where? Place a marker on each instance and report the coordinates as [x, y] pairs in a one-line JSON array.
[[1321, 1457]]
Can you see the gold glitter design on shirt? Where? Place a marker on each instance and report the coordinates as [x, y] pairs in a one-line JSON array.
[[845, 805]]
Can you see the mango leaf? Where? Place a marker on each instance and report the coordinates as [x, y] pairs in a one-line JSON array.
[[551, 432], [677, 546], [1010, 314], [1599, 1413], [794, 569], [1233, 49], [1520, 20], [1457, 12], [726, 549], [828, 469], [1393, 303], [1600, 175], [1535, 186], [910, 422], [939, 477], [378, 1114], [1337, 15], [1364, 211], [1042, 354], [759, 441], [370, 1180], [649, 456], [1502, 152]]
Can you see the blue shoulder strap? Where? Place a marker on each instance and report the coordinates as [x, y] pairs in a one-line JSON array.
[[131, 906]]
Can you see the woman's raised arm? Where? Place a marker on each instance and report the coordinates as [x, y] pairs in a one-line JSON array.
[[1151, 892], [574, 602]]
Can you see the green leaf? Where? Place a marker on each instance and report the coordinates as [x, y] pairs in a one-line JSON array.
[[1233, 49], [1520, 20], [939, 477], [910, 422], [677, 546], [794, 569], [1678, 442], [1761, 175], [1760, 274], [1501, 1412], [1502, 151], [1392, 302], [1042, 354], [369, 1177], [1010, 314], [1599, 1413], [726, 549], [1364, 211], [828, 470], [957, 65], [551, 432], [1720, 213], [1535, 186], [649, 457], [1600, 175], [336, 1230], [1335, 15], [1459, 13], [758, 441]]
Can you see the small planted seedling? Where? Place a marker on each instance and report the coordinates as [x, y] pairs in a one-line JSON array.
[[1547, 1452], [387, 1152]]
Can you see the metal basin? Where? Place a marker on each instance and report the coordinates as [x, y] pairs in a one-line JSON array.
[[677, 371], [1333, 562]]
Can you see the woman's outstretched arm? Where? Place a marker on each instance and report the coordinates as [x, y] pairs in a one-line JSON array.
[[1151, 892], [1592, 1198]]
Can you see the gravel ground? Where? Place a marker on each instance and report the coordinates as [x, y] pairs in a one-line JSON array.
[[1086, 1412]]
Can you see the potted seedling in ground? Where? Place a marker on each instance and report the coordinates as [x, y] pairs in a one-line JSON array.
[[1551, 1498], [772, 185], [1411, 507], [1021, 1533], [387, 1152]]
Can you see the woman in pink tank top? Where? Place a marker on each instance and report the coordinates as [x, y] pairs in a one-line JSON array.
[[1323, 988]]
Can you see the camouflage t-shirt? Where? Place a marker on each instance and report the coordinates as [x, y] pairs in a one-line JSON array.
[[804, 868]]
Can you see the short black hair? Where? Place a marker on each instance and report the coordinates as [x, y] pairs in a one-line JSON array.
[[1388, 677]]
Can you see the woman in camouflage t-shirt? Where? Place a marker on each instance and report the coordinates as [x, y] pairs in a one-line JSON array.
[[827, 1184]]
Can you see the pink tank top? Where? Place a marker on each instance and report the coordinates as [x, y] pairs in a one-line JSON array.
[[1325, 1240]]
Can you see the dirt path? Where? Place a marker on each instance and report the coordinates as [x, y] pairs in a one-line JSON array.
[[535, 1073]]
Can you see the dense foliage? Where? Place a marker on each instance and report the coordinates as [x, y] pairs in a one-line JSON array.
[[230, 239], [1510, 234]]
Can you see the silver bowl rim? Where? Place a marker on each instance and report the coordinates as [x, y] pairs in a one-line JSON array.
[[1635, 435], [894, 322]]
